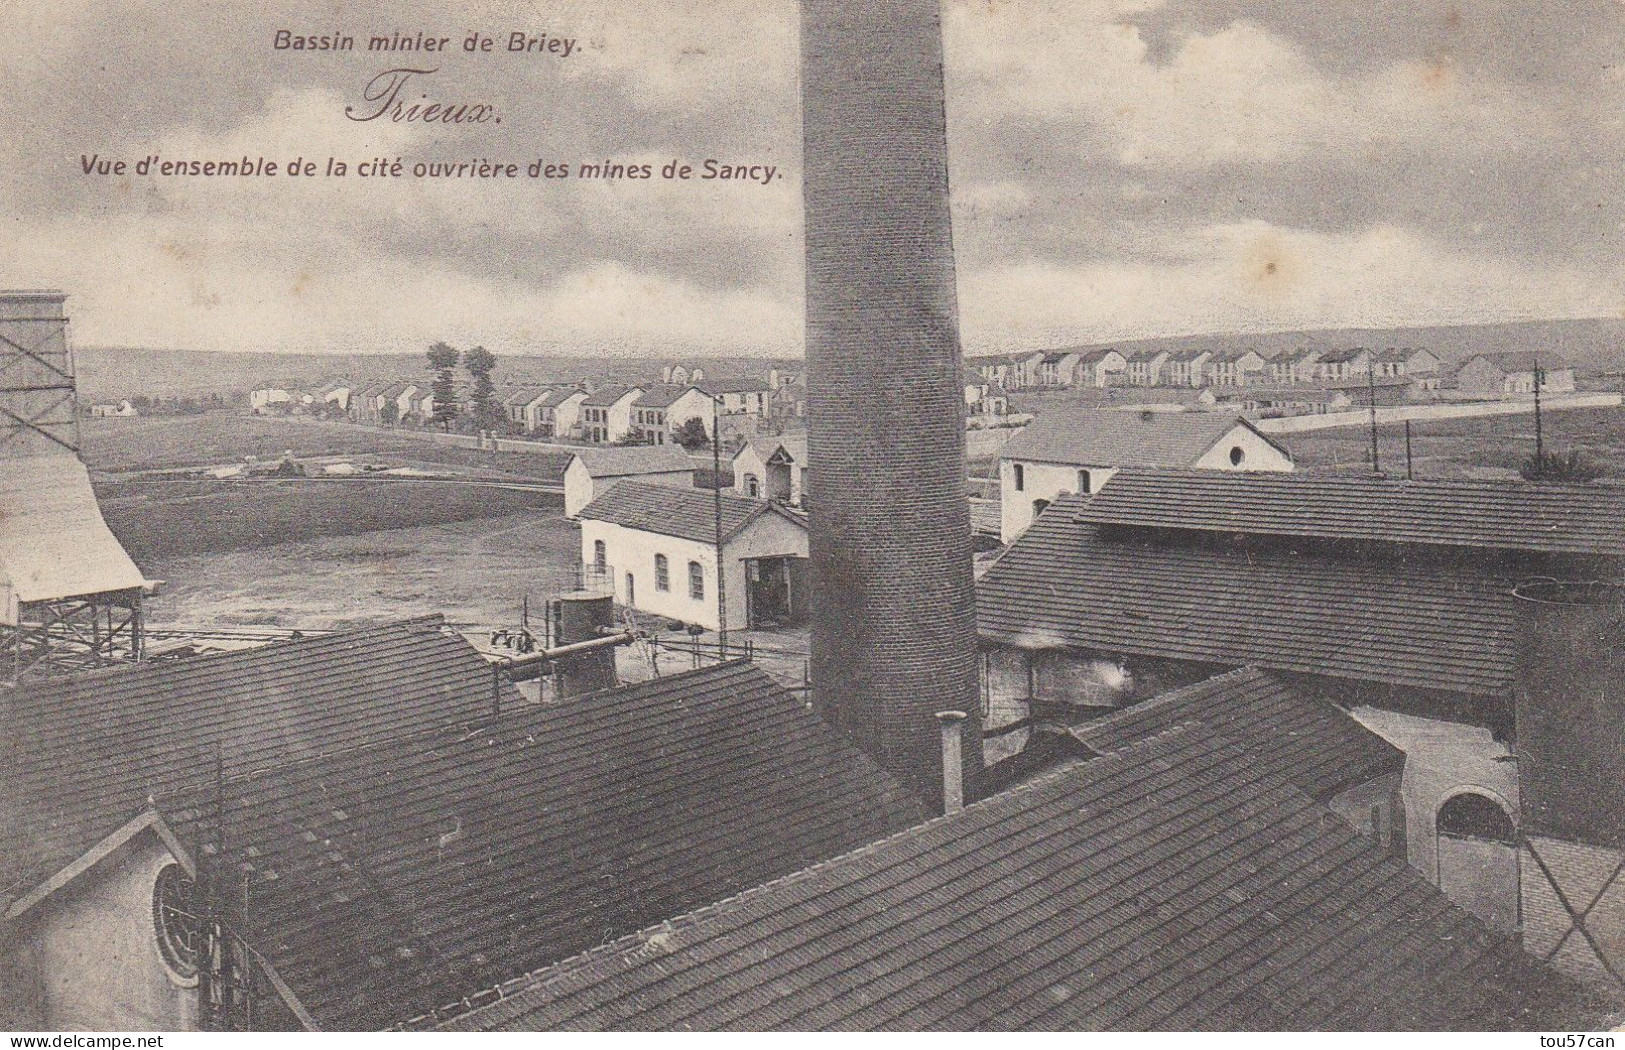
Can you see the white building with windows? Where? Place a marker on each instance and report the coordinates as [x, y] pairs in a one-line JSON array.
[[591, 471], [659, 546], [772, 468], [1074, 449]]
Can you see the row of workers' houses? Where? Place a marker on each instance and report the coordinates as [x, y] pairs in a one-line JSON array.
[[1486, 375]]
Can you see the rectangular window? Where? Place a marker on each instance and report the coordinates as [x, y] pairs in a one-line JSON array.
[[696, 580], [1020, 476], [662, 573]]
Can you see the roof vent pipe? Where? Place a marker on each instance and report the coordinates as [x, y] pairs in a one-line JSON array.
[[953, 774]]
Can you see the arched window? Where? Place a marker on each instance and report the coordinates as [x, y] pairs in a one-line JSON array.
[[753, 487], [696, 580], [1084, 482], [1237, 455], [175, 920], [600, 558], [662, 573], [1470, 815]]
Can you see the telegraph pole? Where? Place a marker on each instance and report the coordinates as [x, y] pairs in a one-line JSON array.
[[1540, 448], [716, 504], [1371, 399]]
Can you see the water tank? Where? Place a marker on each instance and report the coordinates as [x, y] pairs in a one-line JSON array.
[[1570, 701], [579, 616]]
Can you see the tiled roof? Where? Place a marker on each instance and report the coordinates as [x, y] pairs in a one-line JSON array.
[[622, 461], [1062, 584], [85, 753], [1492, 515], [1085, 436], [398, 879], [1349, 353], [1306, 740], [1169, 886], [732, 386], [605, 396], [558, 397], [688, 514], [662, 396]]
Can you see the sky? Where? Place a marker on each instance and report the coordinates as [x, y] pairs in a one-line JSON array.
[[1120, 169]]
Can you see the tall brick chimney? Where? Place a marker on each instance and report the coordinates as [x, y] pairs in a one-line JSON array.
[[893, 620]]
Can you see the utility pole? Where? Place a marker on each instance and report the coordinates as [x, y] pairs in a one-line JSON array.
[[1371, 398], [1408, 475], [1540, 448]]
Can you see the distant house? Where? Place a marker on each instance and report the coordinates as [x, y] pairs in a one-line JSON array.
[[996, 368], [1077, 449], [738, 396], [1144, 367], [1512, 374], [1385, 391], [335, 393], [266, 400], [1185, 367], [772, 468], [606, 414], [788, 402], [1275, 401], [558, 414], [1058, 367], [1335, 365], [1149, 399], [591, 471], [1234, 368], [105, 410], [1097, 368], [659, 545], [1419, 359], [984, 398], [660, 413]]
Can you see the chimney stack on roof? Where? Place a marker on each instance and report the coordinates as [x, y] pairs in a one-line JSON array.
[[893, 619]]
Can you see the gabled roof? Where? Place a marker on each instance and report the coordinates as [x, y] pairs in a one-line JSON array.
[[662, 396], [794, 445], [1520, 361], [1348, 353], [1485, 515], [1064, 585], [399, 878], [605, 396], [557, 397], [626, 461], [87, 752], [54, 542], [1189, 354], [523, 396], [688, 514], [1084, 435], [1304, 739], [1169, 886], [732, 386]]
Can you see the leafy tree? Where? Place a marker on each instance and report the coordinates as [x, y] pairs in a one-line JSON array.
[[1571, 466], [443, 358], [389, 414], [691, 435], [480, 363]]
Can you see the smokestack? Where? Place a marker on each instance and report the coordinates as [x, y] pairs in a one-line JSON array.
[[953, 771], [893, 619]]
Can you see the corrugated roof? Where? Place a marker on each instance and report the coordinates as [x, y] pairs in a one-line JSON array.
[[1305, 740], [623, 461], [1169, 886], [689, 514], [85, 753], [1492, 515], [1062, 584], [53, 541], [400, 878], [1089, 436]]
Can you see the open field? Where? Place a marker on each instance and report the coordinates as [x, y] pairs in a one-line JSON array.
[[147, 443], [158, 520], [1490, 447], [474, 572]]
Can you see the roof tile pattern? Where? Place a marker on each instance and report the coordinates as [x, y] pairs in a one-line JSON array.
[[1508, 516], [397, 879], [1064, 585], [1305, 740], [1172, 885], [84, 754], [686, 513], [1090, 436]]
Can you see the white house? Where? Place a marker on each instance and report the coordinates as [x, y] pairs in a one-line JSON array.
[[268, 399], [772, 468], [1144, 367], [660, 413], [1185, 367], [558, 413], [1513, 373], [606, 414], [592, 470], [659, 545], [1097, 367], [738, 396], [1078, 449], [1235, 367]]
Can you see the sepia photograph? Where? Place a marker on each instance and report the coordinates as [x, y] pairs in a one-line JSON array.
[[803, 516]]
